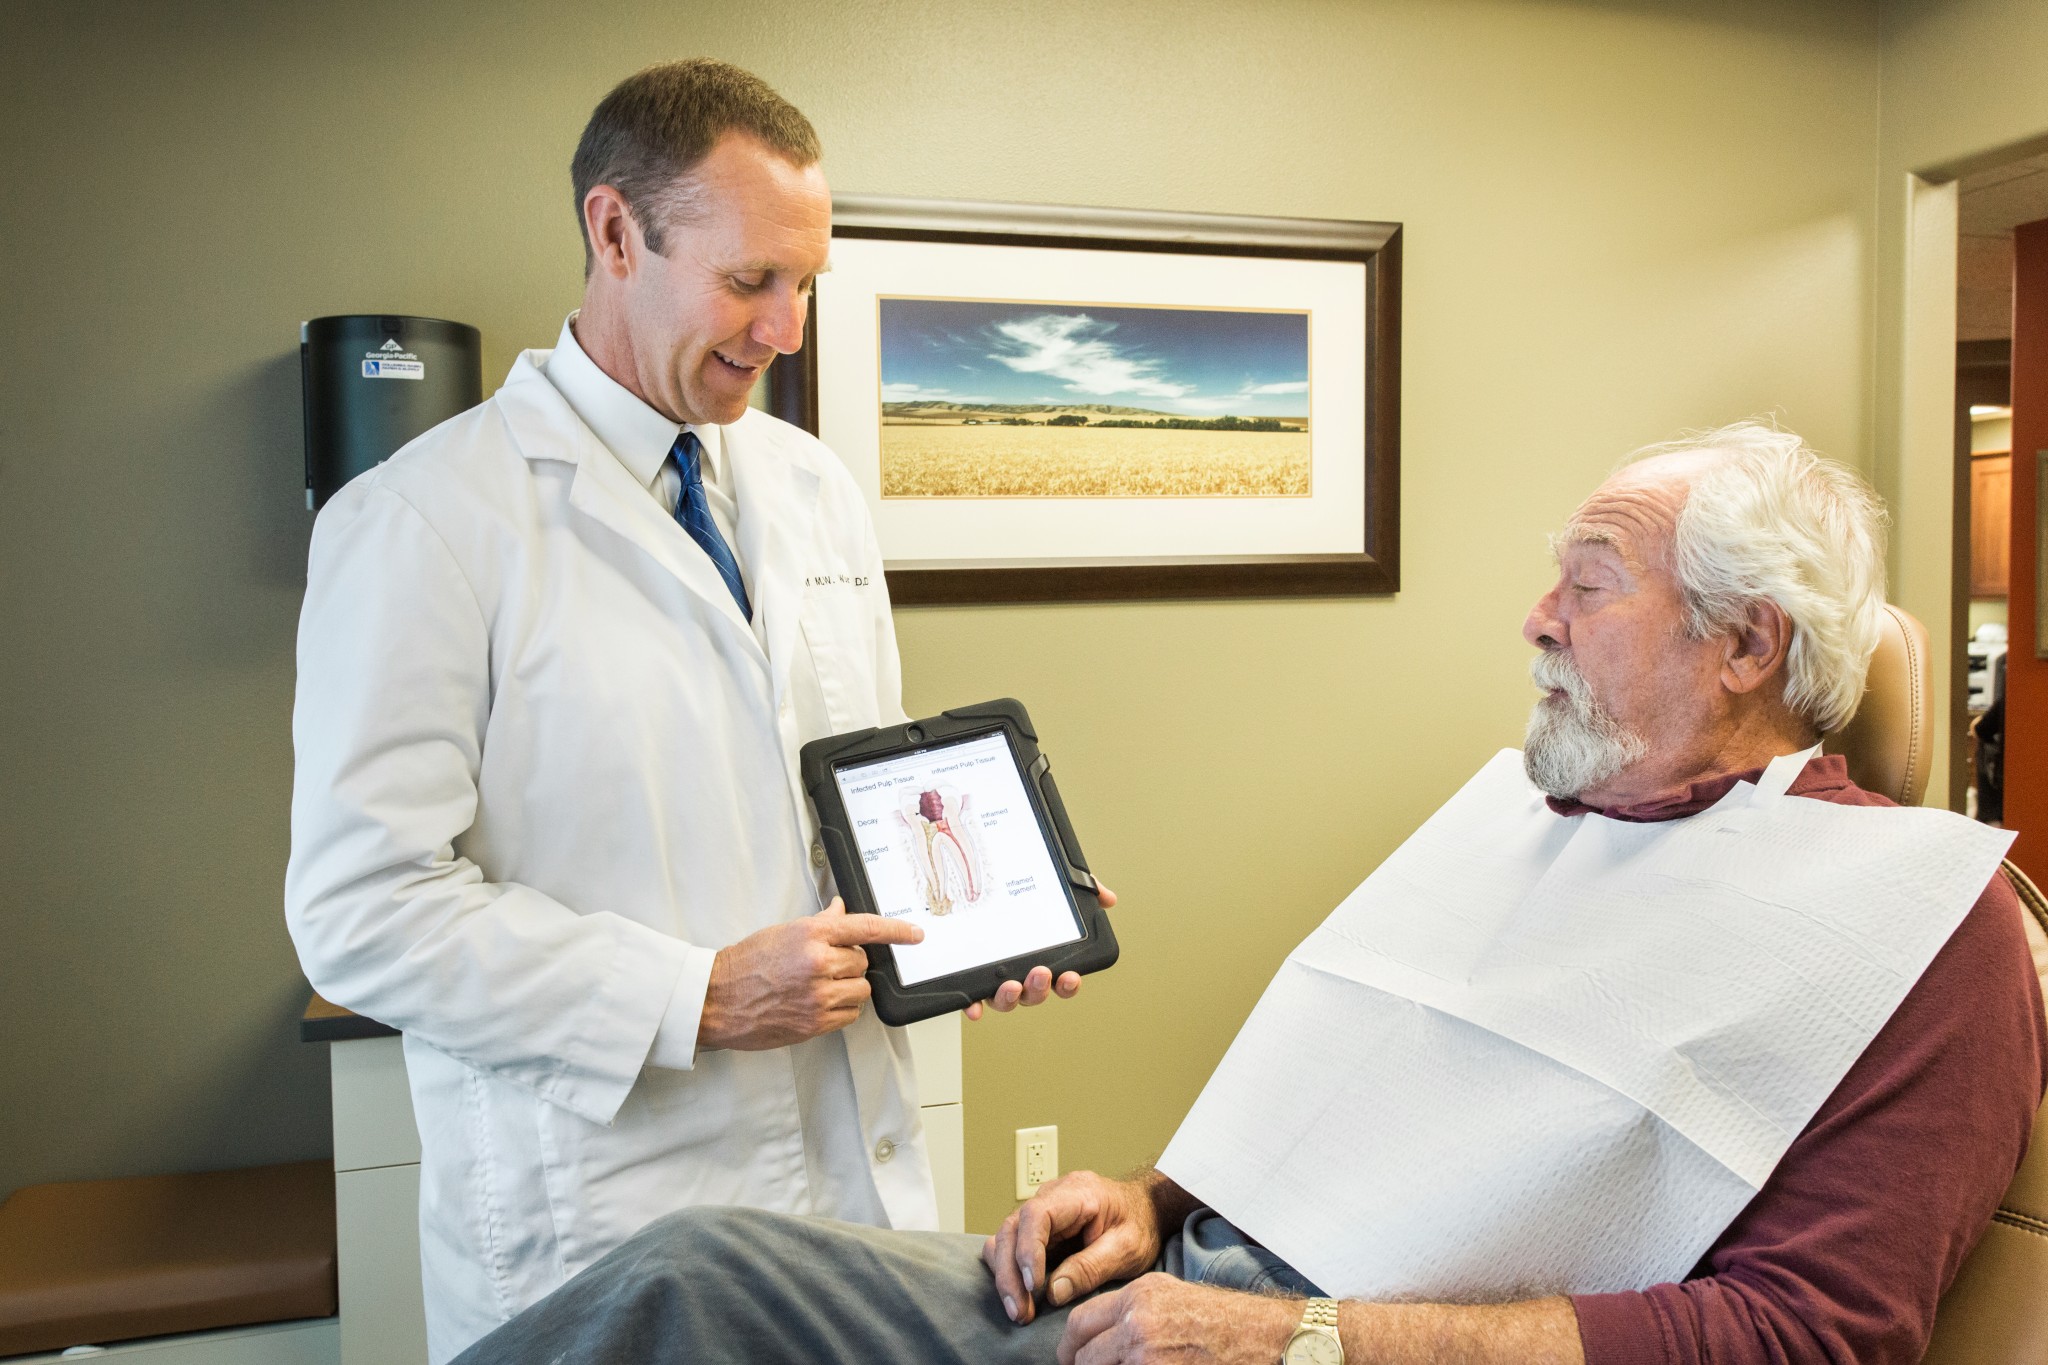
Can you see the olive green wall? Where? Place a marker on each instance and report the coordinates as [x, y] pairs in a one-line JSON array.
[[1962, 82], [1621, 219]]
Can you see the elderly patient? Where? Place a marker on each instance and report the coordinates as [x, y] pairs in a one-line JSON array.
[[1662, 1041]]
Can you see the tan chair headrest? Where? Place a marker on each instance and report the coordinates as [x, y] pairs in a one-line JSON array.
[[1888, 743]]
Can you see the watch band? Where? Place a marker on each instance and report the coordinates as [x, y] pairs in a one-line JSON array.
[[1318, 1325]]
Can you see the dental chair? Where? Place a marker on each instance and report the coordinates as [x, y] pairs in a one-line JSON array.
[[1996, 1312]]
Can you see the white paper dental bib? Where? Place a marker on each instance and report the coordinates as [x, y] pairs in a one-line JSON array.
[[1535, 1055]]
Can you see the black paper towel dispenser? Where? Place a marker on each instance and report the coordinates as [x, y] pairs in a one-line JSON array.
[[373, 381]]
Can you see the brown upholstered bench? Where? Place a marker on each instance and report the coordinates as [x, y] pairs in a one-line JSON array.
[[95, 1261]]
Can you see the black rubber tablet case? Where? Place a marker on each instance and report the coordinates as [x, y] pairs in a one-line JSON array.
[[895, 1002]]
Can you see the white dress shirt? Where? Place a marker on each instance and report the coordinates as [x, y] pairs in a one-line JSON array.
[[641, 438]]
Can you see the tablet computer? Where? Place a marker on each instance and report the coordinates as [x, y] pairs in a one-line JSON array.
[[954, 824]]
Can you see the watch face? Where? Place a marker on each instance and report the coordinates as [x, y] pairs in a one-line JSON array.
[[1313, 1348]]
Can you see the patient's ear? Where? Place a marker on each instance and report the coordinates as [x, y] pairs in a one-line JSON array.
[[1757, 647]]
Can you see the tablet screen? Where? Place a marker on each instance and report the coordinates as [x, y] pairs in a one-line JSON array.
[[950, 841]]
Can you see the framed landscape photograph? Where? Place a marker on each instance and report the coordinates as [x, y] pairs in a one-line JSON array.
[[1062, 403]]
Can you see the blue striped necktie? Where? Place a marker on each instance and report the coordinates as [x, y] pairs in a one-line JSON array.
[[694, 512]]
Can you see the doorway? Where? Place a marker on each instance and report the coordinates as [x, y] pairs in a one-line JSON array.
[[1994, 547]]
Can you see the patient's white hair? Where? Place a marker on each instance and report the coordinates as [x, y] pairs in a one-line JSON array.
[[1770, 518]]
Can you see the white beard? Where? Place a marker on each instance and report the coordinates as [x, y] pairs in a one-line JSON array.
[[1572, 744]]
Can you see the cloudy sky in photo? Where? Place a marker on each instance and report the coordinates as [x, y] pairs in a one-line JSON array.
[[1195, 362]]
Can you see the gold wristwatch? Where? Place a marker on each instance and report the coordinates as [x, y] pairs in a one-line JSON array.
[[1315, 1342]]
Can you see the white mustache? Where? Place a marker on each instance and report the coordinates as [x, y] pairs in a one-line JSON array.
[[1553, 670]]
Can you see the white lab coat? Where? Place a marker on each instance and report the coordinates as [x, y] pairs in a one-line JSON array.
[[539, 753]]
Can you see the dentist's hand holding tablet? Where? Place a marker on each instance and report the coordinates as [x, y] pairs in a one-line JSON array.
[[789, 982], [1038, 983]]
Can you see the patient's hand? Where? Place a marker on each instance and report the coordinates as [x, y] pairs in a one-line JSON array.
[[1116, 1222], [1161, 1319], [1037, 984]]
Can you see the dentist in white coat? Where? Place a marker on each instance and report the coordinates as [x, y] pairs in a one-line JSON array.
[[556, 662]]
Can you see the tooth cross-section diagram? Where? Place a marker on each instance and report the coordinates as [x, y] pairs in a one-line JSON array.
[[945, 850]]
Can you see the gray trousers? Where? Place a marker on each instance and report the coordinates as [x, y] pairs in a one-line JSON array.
[[726, 1286]]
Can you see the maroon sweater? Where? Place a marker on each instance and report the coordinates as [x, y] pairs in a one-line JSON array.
[[1843, 1254]]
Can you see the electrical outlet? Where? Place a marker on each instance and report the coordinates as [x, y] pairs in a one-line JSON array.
[[1038, 1158]]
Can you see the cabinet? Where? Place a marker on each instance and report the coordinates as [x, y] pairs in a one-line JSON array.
[[1990, 524]]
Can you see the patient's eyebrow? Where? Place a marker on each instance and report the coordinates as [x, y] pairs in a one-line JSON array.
[[1560, 541], [1617, 562]]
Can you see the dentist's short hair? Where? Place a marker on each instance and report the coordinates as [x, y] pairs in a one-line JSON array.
[[647, 136], [1770, 518]]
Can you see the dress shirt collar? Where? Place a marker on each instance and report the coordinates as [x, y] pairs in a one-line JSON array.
[[639, 436]]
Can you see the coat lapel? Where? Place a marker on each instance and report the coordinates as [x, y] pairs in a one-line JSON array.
[[778, 501], [545, 427]]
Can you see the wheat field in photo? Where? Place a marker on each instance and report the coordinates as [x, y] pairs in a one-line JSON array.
[[946, 460]]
